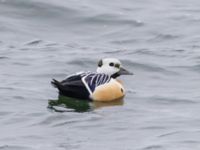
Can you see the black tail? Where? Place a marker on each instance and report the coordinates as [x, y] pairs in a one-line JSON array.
[[71, 89], [56, 84]]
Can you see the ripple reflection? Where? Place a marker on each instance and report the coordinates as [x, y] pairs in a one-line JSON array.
[[68, 104]]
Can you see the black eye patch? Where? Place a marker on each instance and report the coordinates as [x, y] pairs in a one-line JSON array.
[[100, 63], [117, 65], [111, 64]]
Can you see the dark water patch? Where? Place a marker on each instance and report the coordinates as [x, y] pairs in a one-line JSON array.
[[35, 114], [11, 46], [164, 37], [153, 147], [194, 46], [3, 113], [165, 53], [7, 88], [24, 49], [84, 62], [170, 101], [70, 145], [35, 9], [180, 17], [131, 9], [51, 44], [156, 127], [15, 119], [49, 75], [32, 137], [34, 42], [66, 122], [3, 57], [14, 147], [18, 97], [179, 50], [22, 63], [169, 134], [190, 10], [130, 91], [57, 75], [145, 52], [195, 68], [115, 51], [81, 122], [149, 67], [50, 120], [72, 45], [125, 41], [190, 141], [107, 19], [197, 58], [181, 67], [195, 20]]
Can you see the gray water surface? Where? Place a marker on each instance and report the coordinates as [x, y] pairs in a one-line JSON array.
[[157, 40]]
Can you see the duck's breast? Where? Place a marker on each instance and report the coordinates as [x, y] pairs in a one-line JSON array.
[[109, 91]]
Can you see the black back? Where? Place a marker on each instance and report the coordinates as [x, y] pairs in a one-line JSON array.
[[72, 87]]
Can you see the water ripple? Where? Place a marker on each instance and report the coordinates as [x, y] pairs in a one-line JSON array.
[[107, 19], [153, 147], [34, 42], [14, 147], [164, 37]]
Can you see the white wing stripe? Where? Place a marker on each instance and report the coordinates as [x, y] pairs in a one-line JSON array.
[[86, 85], [105, 79], [92, 80], [97, 80]]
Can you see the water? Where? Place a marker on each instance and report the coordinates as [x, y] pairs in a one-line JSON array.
[[157, 40]]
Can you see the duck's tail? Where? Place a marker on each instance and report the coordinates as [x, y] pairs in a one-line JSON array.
[[56, 84], [73, 90]]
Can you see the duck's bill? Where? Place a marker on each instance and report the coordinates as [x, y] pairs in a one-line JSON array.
[[123, 71]]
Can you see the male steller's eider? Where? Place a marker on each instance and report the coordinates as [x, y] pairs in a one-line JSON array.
[[95, 86]]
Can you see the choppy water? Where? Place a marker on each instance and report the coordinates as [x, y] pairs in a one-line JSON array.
[[157, 40]]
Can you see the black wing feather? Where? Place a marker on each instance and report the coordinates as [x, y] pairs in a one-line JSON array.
[[72, 87]]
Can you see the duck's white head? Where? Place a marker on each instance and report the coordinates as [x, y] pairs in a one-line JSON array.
[[112, 67]]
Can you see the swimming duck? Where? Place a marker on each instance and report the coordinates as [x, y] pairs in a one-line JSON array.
[[101, 85]]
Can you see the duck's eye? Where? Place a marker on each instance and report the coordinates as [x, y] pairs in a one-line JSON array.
[[111, 64], [117, 65]]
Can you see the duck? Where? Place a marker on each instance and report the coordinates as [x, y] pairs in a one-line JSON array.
[[102, 85]]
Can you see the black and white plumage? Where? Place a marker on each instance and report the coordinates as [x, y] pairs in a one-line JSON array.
[[81, 85], [93, 80], [99, 86]]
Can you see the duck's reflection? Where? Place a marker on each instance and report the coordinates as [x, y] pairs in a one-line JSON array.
[[66, 104]]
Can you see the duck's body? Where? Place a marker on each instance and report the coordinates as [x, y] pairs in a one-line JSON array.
[[99, 86], [90, 86]]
